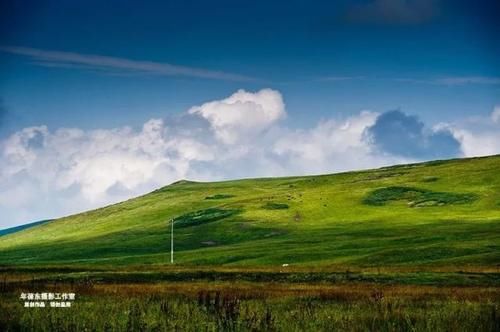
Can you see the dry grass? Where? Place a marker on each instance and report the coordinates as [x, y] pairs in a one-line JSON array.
[[250, 306]]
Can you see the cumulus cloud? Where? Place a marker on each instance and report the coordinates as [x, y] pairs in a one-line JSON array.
[[478, 136], [400, 134], [88, 167], [47, 173], [332, 145], [393, 11], [475, 144], [243, 114]]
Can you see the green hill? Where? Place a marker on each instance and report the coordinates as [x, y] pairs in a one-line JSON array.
[[441, 213]]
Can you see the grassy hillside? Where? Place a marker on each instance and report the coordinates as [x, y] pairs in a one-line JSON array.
[[442, 213], [21, 227]]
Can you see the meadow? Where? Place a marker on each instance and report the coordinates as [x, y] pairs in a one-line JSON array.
[[405, 248], [435, 214]]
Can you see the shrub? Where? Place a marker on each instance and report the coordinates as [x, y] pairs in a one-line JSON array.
[[417, 197], [430, 179], [203, 216], [219, 196], [275, 206]]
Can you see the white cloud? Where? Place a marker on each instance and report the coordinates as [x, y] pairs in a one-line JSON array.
[[50, 173], [475, 144], [87, 165], [243, 114], [479, 136], [333, 146]]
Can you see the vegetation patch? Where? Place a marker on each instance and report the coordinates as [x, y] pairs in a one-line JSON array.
[[219, 196], [430, 179], [203, 216], [275, 206], [416, 197]]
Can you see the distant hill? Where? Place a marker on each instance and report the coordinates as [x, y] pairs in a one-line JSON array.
[[440, 213], [21, 227]]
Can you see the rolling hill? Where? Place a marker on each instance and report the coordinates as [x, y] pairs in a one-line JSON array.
[[441, 213]]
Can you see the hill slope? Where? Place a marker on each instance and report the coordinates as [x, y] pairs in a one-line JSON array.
[[21, 227], [443, 213]]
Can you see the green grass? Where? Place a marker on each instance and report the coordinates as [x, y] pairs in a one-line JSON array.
[[431, 215]]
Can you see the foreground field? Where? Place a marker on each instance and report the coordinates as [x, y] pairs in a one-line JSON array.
[[441, 214], [108, 302]]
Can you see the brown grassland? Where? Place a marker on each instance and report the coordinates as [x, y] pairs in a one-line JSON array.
[[218, 300]]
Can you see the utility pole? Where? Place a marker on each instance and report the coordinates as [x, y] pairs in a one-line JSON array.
[[172, 242]]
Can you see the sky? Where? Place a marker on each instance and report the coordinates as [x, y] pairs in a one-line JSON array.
[[104, 101]]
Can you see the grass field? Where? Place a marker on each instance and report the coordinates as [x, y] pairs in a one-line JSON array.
[[403, 248], [436, 214], [137, 303]]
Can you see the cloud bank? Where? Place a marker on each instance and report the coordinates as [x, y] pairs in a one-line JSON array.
[[48, 173]]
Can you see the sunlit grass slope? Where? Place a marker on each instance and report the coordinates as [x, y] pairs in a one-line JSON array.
[[442, 213]]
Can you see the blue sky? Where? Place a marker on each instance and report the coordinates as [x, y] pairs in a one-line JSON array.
[[95, 65], [293, 48]]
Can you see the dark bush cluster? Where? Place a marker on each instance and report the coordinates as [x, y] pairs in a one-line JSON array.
[[219, 196], [416, 197], [275, 206], [203, 216]]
